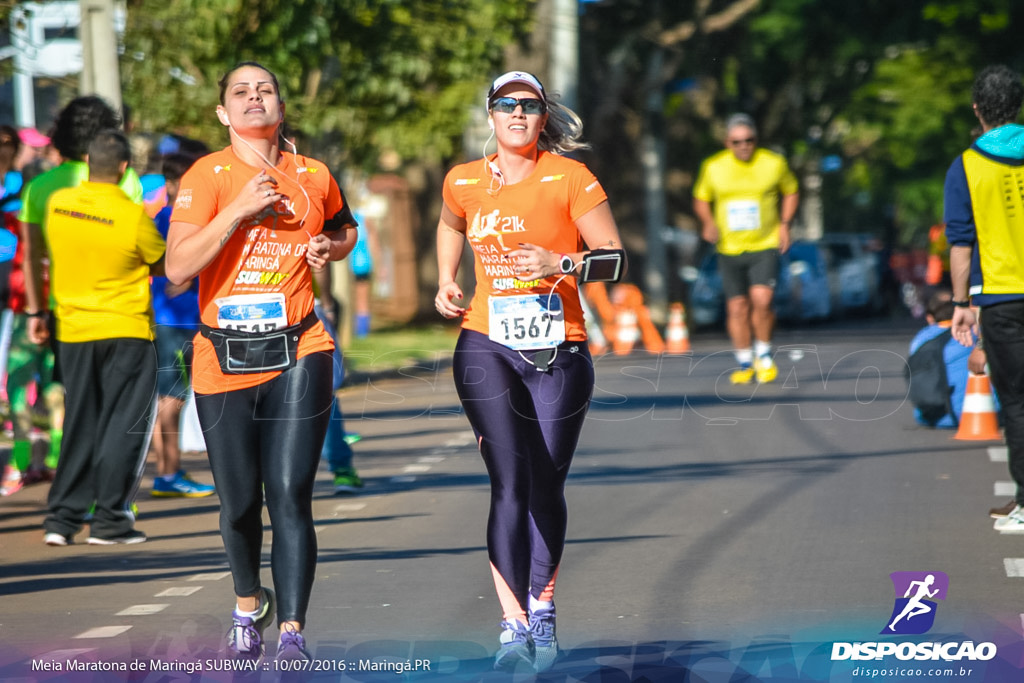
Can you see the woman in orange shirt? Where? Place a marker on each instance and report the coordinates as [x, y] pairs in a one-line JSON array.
[[521, 365], [251, 221]]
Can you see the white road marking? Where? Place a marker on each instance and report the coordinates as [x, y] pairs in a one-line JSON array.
[[142, 610], [349, 507], [178, 592], [998, 453], [1006, 488], [1014, 566], [217, 576], [409, 469], [103, 632], [64, 655]]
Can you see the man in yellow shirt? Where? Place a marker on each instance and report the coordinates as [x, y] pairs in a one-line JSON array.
[[737, 199], [102, 246]]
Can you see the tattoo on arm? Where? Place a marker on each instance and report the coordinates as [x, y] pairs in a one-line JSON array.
[[228, 234]]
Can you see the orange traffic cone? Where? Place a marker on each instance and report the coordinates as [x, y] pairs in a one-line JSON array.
[[653, 342], [677, 337], [626, 331], [978, 421]]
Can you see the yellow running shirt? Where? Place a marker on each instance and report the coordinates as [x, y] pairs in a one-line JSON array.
[[101, 244], [745, 198]]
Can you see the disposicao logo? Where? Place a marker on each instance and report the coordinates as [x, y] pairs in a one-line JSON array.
[[916, 593], [913, 613]]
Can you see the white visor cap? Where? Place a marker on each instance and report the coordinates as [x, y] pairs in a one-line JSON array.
[[515, 77]]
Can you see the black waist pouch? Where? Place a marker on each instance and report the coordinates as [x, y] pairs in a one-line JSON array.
[[245, 353]]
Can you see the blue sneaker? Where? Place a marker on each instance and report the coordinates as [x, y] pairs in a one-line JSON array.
[[542, 628], [245, 638], [515, 646], [180, 487]]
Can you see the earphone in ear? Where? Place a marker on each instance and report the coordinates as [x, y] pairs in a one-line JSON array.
[[490, 123]]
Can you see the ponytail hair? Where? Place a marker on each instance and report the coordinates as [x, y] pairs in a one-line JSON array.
[[563, 131]]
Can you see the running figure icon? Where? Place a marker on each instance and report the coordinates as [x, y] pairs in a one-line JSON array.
[[919, 591], [915, 606]]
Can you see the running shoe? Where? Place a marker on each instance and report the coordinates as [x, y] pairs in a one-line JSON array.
[[347, 481], [353, 438], [515, 646], [1003, 511], [745, 375], [1013, 523], [767, 370], [542, 628], [12, 482], [36, 475], [292, 645], [245, 638], [127, 538], [55, 539], [182, 486]]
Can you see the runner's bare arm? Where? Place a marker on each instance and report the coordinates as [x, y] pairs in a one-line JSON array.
[[451, 239], [190, 247], [35, 250]]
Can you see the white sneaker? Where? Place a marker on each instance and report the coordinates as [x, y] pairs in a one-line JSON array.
[[53, 538], [1013, 523]]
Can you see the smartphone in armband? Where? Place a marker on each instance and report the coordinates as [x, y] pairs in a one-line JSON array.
[[603, 265]]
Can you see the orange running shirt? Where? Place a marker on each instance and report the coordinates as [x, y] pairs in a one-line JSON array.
[[541, 210], [265, 258]]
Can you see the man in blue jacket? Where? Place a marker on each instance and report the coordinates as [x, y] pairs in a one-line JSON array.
[[984, 213]]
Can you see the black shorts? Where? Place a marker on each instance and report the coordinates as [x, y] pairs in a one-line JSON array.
[[743, 271], [174, 360]]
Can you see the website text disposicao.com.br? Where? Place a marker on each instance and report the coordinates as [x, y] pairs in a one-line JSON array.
[[954, 659], [906, 672]]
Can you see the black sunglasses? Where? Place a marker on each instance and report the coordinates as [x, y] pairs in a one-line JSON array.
[[507, 105], [744, 141]]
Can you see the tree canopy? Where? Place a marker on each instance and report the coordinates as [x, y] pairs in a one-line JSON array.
[[873, 94], [359, 76], [880, 89]]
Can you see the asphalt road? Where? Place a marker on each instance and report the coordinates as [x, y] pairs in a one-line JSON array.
[[716, 533]]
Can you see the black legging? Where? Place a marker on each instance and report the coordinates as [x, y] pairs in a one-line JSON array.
[[269, 438], [527, 423]]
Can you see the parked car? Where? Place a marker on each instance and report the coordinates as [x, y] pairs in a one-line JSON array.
[[707, 305], [858, 270], [805, 290]]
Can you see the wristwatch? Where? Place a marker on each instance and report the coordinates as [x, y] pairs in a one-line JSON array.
[[966, 303], [566, 264]]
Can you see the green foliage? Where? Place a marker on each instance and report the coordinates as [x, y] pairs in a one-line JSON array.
[[882, 85], [362, 76]]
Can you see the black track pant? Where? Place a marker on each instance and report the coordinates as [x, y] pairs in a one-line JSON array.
[[1002, 331], [268, 438], [110, 404]]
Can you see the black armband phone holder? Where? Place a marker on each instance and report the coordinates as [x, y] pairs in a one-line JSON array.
[[603, 265]]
